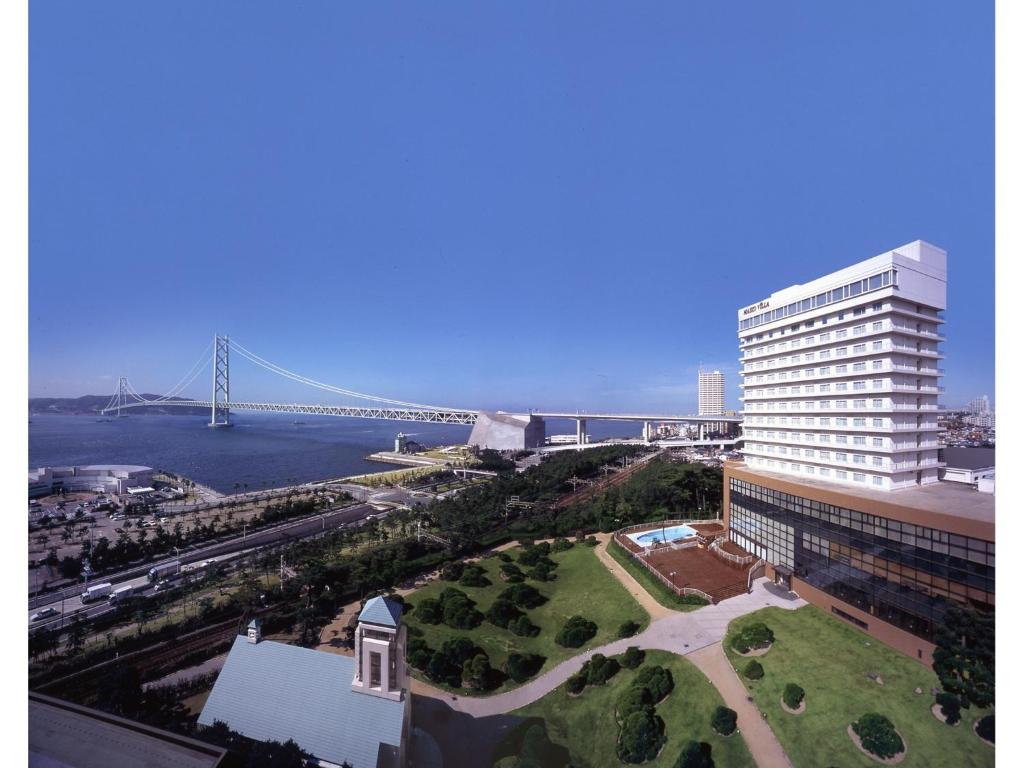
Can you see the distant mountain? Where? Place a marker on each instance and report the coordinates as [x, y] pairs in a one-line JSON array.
[[93, 404]]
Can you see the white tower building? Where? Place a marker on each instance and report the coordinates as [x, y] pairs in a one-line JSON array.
[[841, 376], [710, 393]]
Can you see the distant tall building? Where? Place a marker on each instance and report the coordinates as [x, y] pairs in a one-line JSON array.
[[710, 393], [978, 405]]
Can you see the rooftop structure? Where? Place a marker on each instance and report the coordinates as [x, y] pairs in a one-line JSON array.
[[841, 377], [66, 735], [337, 708]]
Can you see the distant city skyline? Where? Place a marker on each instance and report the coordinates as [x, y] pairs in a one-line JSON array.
[[489, 207]]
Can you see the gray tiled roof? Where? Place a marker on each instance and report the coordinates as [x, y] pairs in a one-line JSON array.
[[381, 611], [273, 691]]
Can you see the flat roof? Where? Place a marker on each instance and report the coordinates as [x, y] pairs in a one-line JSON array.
[[969, 458], [66, 735], [956, 500]]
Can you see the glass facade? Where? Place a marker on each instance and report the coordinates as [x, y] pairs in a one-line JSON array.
[[905, 574]]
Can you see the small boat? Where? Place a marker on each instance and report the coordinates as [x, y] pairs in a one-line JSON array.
[[298, 422]]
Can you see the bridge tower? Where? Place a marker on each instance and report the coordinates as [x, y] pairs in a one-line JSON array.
[[220, 415], [122, 395]]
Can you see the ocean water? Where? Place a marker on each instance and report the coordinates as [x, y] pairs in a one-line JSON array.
[[264, 450]]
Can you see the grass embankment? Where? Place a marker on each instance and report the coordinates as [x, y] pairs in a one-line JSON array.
[[649, 581], [831, 661], [586, 725], [582, 587]]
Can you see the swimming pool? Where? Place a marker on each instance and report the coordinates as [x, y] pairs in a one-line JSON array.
[[673, 533]]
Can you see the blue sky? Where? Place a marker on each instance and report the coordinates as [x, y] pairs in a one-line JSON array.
[[554, 205]]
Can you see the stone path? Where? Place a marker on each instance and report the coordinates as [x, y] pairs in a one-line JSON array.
[[679, 633], [761, 741]]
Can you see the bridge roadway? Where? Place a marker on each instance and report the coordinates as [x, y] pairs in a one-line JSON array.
[[653, 417], [437, 416]]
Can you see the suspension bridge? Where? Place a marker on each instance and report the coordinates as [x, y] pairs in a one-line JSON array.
[[490, 429]]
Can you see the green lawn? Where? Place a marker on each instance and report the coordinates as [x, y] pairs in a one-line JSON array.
[[587, 727], [830, 660], [649, 581], [583, 586]]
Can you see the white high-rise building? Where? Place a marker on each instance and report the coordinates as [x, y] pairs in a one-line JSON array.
[[841, 376], [710, 393]]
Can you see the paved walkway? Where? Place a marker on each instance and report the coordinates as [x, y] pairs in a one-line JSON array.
[[761, 741], [679, 633]]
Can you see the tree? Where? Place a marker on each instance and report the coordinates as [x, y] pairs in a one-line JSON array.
[[723, 720], [521, 667], [657, 680], [76, 635], [949, 704], [628, 629], [965, 656], [634, 699], [503, 612], [120, 692]]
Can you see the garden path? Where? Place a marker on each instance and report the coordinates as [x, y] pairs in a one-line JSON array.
[[764, 747], [679, 633], [654, 609]]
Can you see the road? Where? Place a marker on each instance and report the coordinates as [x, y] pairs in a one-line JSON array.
[[285, 533]]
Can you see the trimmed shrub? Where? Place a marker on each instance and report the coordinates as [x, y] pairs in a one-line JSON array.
[[878, 735], [505, 557], [576, 683], [523, 595], [693, 600], [599, 669], [452, 571], [793, 695], [542, 571], [459, 650], [753, 670], [590, 541], [474, 576], [576, 632], [440, 669], [503, 612], [429, 611], [561, 544], [420, 657], [535, 554], [950, 705], [752, 637], [511, 573], [657, 680], [523, 627], [633, 699], [695, 755], [521, 667], [641, 738], [477, 673], [628, 629], [458, 611], [987, 728], [632, 658], [723, 720]]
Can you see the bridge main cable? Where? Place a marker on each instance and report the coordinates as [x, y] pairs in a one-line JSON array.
[[274, 368]]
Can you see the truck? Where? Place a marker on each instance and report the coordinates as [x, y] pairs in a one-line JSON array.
[[120, 594], [97, 592], [158, 572]]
